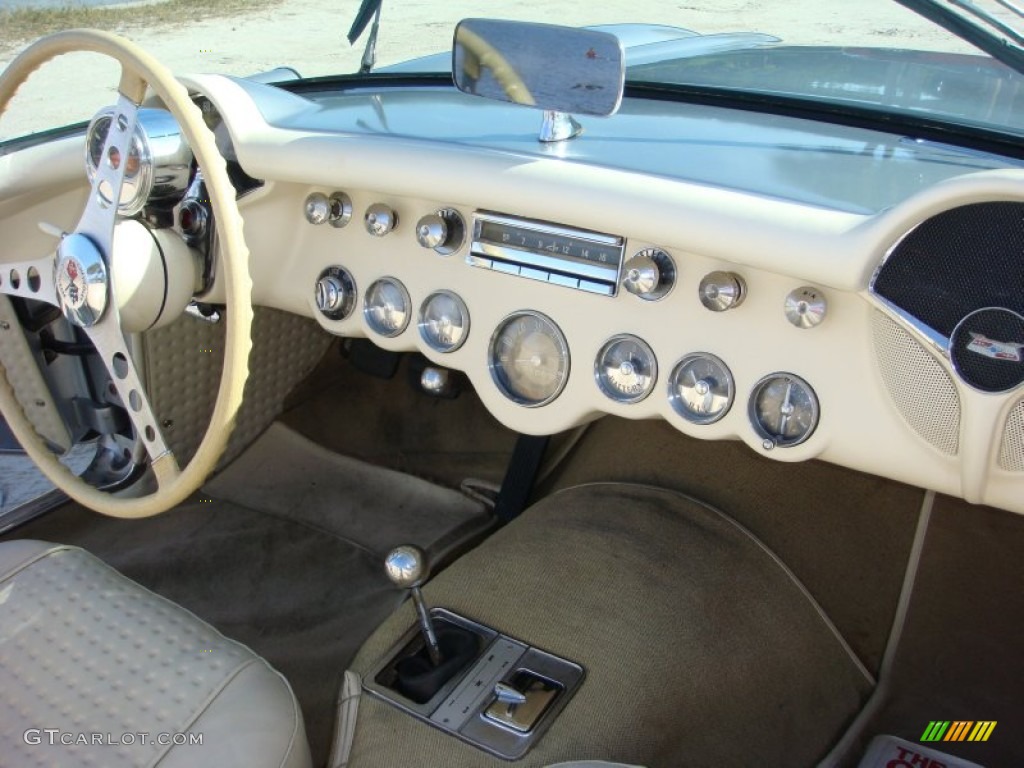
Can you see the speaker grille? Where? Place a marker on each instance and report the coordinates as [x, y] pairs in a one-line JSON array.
[[919, 386], [1011, 454], [957, 262]]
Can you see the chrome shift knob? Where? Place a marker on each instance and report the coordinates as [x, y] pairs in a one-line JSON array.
[[406, 566]]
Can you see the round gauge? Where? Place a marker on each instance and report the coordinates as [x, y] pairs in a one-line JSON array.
[[701, 388], [529, 359], [387, 307], [138, 170], [783, 410], [444, 321], [626, 369]]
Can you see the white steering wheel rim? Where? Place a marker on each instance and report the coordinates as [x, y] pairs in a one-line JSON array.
[[173, 485]]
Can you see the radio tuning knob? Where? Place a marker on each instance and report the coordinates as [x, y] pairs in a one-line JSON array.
[[721, 291], [431, 231], [442, 231], [380, 220], [649, 274]]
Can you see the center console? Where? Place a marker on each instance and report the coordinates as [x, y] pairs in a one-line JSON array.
[[490, 690]]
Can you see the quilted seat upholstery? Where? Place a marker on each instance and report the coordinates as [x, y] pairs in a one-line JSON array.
[[96, 670]]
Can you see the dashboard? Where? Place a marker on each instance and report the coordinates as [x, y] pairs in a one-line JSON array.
[[566, 289], [815, 291]]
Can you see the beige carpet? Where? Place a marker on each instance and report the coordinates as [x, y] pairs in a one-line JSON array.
[[845, 534], [283, 554], [961, 657], [699, 648]]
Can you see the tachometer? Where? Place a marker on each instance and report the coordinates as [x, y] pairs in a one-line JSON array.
[[529, 358], [158, 165]]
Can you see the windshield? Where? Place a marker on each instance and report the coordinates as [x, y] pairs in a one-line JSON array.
[[872, 53]]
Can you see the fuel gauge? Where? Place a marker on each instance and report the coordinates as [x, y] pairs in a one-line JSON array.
[[783, 410], [626, 369]]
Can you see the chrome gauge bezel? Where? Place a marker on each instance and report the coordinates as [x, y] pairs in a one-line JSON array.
[[424, 325], [675, 399], [369, 310], [607, 389], [164, 157], [494, 364], [770, 440]]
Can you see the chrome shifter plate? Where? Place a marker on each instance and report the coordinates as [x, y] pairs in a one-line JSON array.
[[467, 706]]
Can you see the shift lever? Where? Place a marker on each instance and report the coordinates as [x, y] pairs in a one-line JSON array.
[[407, 568]]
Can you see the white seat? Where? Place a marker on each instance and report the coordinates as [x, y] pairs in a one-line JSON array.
[[97, 670]]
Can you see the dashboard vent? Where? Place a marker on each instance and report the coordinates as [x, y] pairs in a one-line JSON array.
[[918, 385], [1011, 453]]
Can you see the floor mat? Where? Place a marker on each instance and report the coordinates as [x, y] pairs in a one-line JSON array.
[[959, 657], [263, 558], [699, 647]]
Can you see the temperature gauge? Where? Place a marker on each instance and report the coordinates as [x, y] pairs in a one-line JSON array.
[[701, 388], [626, 369], [783, 410]]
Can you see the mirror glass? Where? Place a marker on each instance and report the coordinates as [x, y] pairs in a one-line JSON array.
[[564, 69]]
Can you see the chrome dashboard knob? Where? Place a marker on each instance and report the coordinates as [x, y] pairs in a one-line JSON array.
[[431, 231], [317, 209], [649, 274], [806, 307], [722, 291], [443, 231], [380, 220]]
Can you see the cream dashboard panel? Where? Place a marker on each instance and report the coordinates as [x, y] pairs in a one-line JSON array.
[[775, 246], [858, 425]]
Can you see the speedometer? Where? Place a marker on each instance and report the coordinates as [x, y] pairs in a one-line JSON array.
[[529, 359]]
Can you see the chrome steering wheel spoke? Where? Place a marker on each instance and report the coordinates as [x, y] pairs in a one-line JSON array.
[[110, 345], [97, 221], [30, 279]]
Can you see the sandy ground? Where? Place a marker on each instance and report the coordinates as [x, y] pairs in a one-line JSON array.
[[311, 38]]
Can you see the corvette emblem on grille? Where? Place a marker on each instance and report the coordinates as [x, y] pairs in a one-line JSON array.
[[997, 350]]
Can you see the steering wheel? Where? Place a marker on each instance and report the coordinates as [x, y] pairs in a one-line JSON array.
[[77, 279]]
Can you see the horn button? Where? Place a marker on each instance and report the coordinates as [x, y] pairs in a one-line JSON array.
[[82, 280]]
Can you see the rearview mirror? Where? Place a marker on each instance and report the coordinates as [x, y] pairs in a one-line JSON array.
[[560, 69]]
